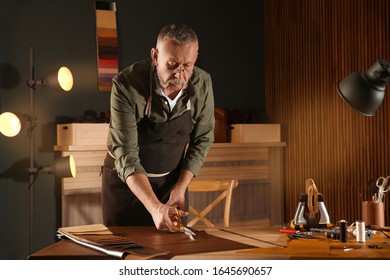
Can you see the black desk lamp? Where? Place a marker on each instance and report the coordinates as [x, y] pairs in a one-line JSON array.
[[364, 91]]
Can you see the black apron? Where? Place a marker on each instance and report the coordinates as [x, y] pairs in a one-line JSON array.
[[161, 149]]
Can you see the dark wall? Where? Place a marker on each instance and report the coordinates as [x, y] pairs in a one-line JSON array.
[[230, 37], [62, 32]]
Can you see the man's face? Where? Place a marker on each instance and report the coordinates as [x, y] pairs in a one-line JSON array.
[[174, 63]]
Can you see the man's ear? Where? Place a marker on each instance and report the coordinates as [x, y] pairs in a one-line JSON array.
[[154, 55]]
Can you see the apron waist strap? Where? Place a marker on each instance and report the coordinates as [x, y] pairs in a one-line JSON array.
[[153, 175]]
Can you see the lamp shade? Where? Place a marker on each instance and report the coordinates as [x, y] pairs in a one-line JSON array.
[[10, 124], [59, 79], [365, 91], [62, 167]]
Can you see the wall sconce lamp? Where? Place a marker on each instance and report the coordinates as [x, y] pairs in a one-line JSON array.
[[59, 79], [364, 91], [11, 124], [61, 167]]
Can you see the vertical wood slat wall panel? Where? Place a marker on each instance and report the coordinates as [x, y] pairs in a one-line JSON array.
[[309, 47]]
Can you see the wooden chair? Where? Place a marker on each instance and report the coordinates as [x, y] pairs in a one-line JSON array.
[[225, 186]]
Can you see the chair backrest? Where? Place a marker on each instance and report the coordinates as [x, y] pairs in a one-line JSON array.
[[224, 186]]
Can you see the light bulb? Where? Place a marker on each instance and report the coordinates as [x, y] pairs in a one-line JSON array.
[[65, 78], [10, 124]]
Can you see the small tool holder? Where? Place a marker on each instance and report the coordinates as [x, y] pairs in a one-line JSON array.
[[311, 211]]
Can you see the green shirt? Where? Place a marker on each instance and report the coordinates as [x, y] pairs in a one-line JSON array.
[[130, 92]]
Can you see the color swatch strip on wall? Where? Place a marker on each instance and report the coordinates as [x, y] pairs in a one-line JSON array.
[[107, 48]]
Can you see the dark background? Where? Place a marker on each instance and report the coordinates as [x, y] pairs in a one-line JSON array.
[[63, 32]]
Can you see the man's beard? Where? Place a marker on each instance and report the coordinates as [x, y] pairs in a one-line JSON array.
[[172, 82]]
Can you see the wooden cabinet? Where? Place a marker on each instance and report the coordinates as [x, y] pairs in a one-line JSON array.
[[257, 166]]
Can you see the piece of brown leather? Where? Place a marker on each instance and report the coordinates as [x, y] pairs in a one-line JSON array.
[[175, 243]]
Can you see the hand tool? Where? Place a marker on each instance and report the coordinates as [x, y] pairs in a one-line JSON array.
[[177, 221], [381, 183]]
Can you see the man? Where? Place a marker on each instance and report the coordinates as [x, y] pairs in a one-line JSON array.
[[161, 128]]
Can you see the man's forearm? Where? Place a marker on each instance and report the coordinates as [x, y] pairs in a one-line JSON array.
[[140, 186], [184, 180], [161, 213]]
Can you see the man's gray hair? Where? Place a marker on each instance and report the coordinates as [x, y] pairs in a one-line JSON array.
[[181, 33]]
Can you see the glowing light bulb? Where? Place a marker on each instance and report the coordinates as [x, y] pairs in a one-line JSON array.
[[65, 78], [10, 124]]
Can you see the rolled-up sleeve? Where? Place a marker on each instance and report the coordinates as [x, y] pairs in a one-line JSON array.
[[123, 137]]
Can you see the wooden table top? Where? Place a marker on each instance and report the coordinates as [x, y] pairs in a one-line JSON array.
[[173, 243], [236, 242]]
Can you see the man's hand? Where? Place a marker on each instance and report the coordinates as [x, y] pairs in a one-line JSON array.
[[168, 218], [177, 198]]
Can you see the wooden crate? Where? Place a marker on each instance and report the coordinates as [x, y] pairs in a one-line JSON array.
[[244, 133], [74, 134]]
